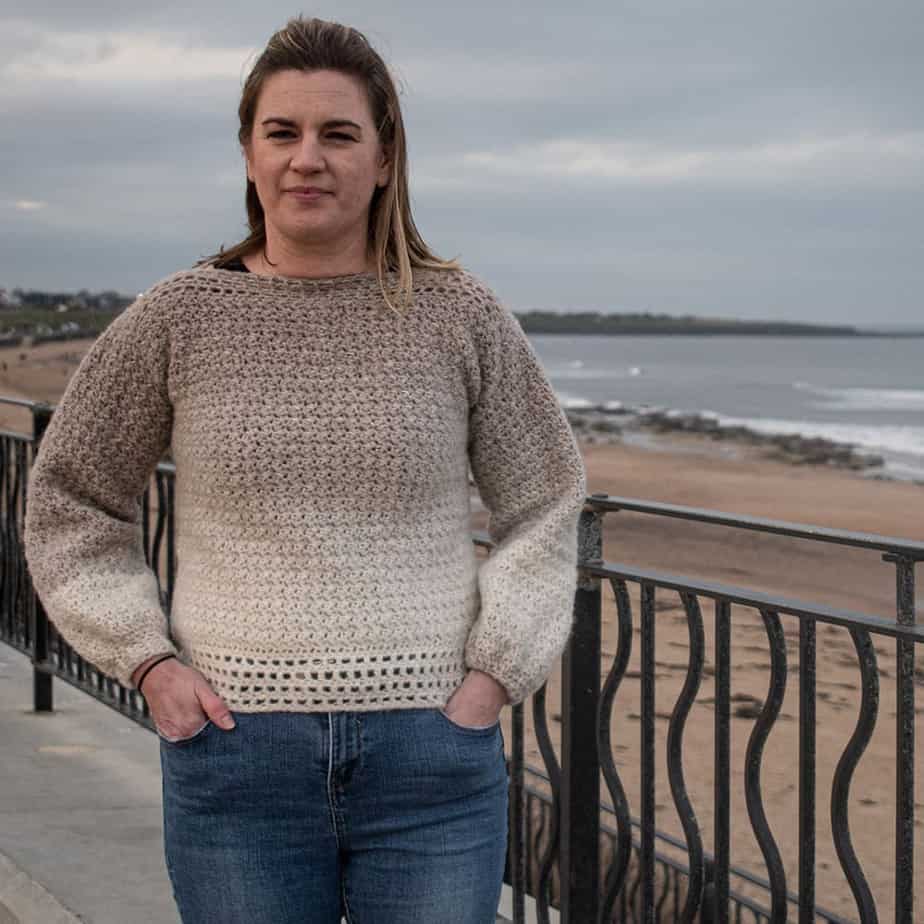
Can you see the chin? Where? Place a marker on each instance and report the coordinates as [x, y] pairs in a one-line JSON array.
[[311, 234]]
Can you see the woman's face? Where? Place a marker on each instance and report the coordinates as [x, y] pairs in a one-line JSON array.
[[315, 129]]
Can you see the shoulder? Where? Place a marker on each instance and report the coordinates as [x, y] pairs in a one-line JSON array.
[[171, 296], [461, 282], [466, 293], [149, 320], [488, 333], [184, 283]]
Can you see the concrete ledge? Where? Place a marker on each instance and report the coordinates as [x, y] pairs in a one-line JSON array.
[[24, 901]]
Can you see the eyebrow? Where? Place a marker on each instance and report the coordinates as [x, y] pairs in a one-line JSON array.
[[330, 123]]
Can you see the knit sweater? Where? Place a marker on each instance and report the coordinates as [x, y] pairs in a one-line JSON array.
[[322, 445]]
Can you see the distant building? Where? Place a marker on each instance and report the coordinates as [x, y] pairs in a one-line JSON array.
[[109, 301], [9, 299]]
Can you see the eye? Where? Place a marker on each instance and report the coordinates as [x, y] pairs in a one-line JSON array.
[[279, 131], [342, 135]]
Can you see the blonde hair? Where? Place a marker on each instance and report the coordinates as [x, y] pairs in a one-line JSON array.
[[317, 44]]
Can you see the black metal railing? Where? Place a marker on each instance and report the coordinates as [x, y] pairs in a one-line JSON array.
[[568, 849], [704, 878], [24, 624]]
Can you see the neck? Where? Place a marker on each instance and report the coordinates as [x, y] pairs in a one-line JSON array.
[[297, 262]]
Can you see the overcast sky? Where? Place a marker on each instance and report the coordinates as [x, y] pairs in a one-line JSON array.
[[755, 160]]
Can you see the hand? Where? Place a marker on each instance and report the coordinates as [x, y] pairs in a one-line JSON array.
[[477, 701], [180, 699]]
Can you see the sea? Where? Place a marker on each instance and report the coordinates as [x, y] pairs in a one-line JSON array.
[[864, 391]]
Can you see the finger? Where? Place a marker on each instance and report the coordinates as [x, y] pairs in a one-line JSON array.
[[215, 707]]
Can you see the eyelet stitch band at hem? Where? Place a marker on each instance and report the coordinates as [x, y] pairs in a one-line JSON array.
[[322, 446], [371, 681]]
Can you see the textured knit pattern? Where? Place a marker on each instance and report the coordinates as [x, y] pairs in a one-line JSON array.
[[322, 444]]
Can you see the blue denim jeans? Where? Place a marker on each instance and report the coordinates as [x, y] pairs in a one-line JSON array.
[[390, 817]]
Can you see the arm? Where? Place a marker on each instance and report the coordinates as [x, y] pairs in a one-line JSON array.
[[531, 477], [82, 538]]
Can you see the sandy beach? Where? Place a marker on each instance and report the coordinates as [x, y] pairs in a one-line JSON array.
[[697, 472]]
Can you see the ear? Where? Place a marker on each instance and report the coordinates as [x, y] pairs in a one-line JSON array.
[[247, 167], [384, 168]]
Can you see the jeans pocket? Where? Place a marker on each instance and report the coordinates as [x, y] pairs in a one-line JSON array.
[[198, 733], [471, 729]]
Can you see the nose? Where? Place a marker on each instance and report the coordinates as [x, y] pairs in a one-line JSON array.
[[308, 156]]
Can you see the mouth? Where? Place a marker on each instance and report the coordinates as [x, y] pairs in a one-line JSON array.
[[307, 191], [310, 197]]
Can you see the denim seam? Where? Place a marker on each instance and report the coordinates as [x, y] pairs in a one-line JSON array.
[[346, 905], [330, 772]]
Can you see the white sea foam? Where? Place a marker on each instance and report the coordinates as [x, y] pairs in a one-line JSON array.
[[578, 370], [905, 441], [902, 447], [572, 401], [863, 399]]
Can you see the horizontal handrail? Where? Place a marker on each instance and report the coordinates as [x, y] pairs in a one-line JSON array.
[[757, 599], [762, 601], [24, 402], [906, 547]]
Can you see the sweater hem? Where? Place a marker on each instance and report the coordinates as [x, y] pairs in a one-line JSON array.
[[332, 681]]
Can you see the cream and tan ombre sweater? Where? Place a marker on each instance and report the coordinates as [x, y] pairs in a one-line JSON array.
[[322, 444]]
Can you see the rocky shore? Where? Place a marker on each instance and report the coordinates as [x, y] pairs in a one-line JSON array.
[[609, 423]]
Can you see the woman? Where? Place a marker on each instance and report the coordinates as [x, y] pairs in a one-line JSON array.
[[327, 692]]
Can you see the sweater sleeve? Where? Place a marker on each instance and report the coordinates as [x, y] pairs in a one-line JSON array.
[[531, 477], [82, 536]]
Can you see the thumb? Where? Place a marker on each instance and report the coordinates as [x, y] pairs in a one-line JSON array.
[[214, 707]]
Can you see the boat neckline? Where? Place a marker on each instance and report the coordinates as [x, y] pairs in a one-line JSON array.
[[296, 281]]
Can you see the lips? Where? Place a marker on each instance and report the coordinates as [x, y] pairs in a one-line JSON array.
[[306, 190]]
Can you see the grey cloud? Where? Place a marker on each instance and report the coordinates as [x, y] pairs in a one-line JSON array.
[[148, 171]]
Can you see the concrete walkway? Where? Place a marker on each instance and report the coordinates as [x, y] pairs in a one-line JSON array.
[[80, 810], [81, 830]]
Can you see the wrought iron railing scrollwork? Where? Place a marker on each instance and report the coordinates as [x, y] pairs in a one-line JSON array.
[[675, 758], [619, 867], [640, 879], [23, 622]]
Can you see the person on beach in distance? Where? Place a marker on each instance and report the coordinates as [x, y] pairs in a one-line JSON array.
[[327, 691]]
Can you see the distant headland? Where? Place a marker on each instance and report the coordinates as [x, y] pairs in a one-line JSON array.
[[44, 315], [601, 323]]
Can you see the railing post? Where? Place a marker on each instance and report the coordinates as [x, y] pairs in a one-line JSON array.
[[42, 671], [707, 914], [580, 776], [904, 744]]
